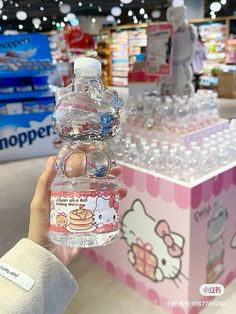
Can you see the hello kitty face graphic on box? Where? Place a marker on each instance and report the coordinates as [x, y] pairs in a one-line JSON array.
[[106, 213], [154, 250]]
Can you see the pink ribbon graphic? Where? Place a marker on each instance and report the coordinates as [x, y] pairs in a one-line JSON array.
[[113, 203], [163, 230]]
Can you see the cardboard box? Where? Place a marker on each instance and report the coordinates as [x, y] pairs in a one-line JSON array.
[[174, 237], [226, 87]]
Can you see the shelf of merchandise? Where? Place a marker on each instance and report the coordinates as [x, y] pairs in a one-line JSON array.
[[231, 51], [127, 45], [25, 95], [215, 34], [137, 44], [119, 57], [20, 97], [102, 42]]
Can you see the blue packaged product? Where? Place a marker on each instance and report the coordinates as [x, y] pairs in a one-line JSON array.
[[7, 85], [3, 109], [40, 82], [47, 104], [31, 106], [24, 84]]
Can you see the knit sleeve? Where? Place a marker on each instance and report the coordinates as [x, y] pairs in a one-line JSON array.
[[53, 285]]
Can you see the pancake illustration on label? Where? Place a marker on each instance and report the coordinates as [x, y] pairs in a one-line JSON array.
[[80, 219]]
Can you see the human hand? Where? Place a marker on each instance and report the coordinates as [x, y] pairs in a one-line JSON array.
[[40, 210]]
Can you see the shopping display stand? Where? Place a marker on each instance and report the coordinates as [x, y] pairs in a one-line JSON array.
[[26, 101], [174, 237]]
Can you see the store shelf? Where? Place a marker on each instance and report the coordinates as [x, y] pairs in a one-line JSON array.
[[25, 95], [5, 74]]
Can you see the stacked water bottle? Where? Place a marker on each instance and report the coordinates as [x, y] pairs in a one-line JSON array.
[[173, 114], [182, 162]]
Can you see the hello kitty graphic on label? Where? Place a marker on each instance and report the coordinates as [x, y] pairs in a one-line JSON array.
[[215, 238], [81, 212], [106, 215], [154, 251]]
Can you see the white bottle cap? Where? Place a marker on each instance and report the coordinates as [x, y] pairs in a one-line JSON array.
[[88, 66]]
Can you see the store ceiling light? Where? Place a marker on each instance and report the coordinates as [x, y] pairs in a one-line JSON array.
[[20, 26], [121, 5], [223, 2], [156, 14], [41, 8], [93, 20], [215, 6], [145, 16], [142, 11], [118, 21], [71, 16], [4, 17], [21, 15], [90, 5], [126, 1], [80, 4], [36, 25], [99, 9], [65, 19], [110, 19], [116, 11], [65, 8], [130, 13], [44, 18], [1, 4], [36, 21], [16, 5], [74, 22], [177, 3]]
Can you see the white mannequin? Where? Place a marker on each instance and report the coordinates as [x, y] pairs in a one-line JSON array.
[[179, 83]]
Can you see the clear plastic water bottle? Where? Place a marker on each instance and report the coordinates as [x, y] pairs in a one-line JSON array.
[[84, 199]]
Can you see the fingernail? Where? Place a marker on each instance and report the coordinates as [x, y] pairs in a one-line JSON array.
[[50, 162]]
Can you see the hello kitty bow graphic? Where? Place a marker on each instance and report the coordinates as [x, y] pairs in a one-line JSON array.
[[163, 230], [113, 202]]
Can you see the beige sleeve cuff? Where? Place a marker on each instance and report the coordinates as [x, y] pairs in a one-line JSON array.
[[54, 285]]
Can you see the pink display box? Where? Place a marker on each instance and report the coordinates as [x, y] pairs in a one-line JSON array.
[[185, 139], [174, 237]]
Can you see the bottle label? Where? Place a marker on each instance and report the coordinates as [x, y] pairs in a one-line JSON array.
[[84, 212]]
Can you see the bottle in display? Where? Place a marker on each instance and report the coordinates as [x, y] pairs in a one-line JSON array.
[[84, 198]]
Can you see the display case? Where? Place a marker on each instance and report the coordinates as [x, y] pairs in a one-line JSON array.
[[26, 101]]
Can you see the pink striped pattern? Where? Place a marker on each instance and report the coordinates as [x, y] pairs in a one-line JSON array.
[[169, 192]]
